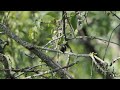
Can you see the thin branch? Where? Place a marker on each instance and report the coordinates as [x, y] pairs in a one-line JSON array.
[[52, 41], [115, 15], [23, 70], [26, 69], [71, 27], [91, 73], [113, 61], [68, 60], [52, 71], [86, 13], [93, 37], [30, 56], [64, 25], [109, 41], [32, 48], [70, 53]]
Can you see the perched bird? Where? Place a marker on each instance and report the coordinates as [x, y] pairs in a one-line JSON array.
[[63, 47]]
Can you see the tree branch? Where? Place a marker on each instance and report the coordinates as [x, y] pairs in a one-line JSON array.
[[62, 73], [5, 63]]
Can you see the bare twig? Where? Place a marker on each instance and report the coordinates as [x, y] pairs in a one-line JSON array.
[[109, 41], [52, 71], [115, 15], [28, 69], [70, 53], [93, 37], [52, 41], [113, 61]]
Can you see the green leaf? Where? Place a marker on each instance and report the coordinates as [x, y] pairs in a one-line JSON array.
[[74, 21], [47, 18], [31, 34], [48, 38], [55, 14]]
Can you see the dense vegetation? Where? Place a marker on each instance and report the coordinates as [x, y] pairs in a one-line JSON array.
[[59, 44]]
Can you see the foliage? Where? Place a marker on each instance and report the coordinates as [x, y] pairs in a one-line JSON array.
[[41, 27]]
